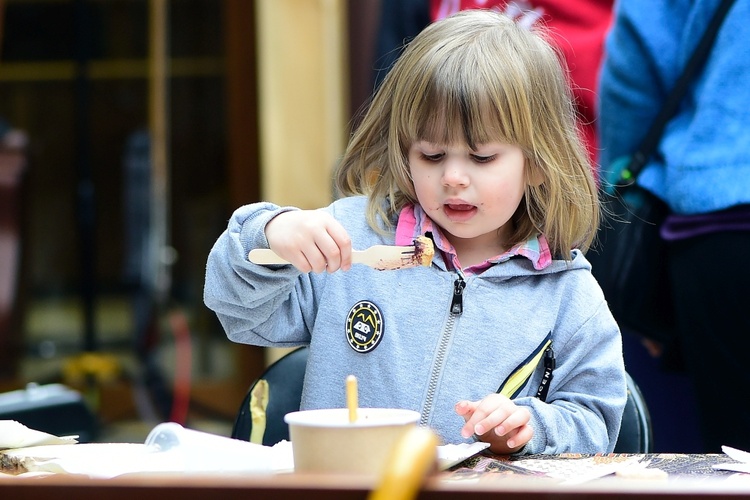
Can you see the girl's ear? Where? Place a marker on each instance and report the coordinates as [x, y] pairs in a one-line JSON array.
[[534, 174]]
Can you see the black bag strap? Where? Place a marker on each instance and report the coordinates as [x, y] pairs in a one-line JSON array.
[[653, 136]]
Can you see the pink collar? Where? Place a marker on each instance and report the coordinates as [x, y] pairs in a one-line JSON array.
[[413, 222]]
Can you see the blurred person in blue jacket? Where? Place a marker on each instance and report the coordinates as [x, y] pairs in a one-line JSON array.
[[702, 171]]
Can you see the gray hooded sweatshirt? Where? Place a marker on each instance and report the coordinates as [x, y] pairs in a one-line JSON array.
[[425, 338]]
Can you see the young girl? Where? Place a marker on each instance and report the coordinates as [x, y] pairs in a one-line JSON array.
[[470, 140]]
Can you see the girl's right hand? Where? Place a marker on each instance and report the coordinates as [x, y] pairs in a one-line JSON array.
[[311, 240]]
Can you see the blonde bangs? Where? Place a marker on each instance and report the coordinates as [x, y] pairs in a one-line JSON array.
[[462, 95]]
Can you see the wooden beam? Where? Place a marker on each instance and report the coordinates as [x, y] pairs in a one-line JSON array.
[[243, 173], [303, 98], [158, 110], [242, 110]]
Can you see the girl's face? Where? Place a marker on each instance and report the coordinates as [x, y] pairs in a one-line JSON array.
[[470, 194]]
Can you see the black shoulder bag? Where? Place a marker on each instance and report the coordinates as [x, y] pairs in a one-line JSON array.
[[630, 261]]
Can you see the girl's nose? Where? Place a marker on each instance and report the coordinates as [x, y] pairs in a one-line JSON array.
[[455, 174]]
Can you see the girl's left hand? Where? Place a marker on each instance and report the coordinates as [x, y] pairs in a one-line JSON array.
[[496, 420]]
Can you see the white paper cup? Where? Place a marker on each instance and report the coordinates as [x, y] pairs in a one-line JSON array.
[[324, 441]]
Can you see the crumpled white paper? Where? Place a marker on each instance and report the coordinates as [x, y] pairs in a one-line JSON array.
[[741, 456], [16, 435]]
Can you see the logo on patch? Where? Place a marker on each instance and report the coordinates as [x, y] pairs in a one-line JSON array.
[[364, 326]]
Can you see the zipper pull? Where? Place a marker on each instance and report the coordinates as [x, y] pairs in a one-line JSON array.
[[457, 304], [549, 366]]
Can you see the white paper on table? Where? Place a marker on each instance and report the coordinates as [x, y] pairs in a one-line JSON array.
[[94, 459], [107, 460], [452, 454], [171, 448], [254, 459], [741, 456], [16, 435]]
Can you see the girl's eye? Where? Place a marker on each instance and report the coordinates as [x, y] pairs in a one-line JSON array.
[[483, 159], [433, 158]]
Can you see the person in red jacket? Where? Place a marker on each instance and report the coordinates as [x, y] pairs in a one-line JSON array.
[[576, 27]]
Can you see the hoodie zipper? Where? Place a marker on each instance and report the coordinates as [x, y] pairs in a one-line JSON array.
[[456, 308], [457, 302]]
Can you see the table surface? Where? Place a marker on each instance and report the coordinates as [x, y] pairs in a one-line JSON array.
[[482, 476]]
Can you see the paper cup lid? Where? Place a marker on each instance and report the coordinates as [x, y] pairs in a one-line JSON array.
[[338, 417]]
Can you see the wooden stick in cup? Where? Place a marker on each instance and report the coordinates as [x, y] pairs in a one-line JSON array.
[[352, 397]]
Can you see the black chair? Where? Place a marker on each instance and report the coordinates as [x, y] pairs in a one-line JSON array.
[[636, 432], [285, 378]]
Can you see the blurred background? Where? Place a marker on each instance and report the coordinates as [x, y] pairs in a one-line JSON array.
[[129, 131]]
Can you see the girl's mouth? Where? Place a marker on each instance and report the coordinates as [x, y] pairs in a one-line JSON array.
[[459, 212]]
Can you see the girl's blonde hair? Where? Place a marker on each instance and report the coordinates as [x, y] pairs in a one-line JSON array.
[[473, 78]]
